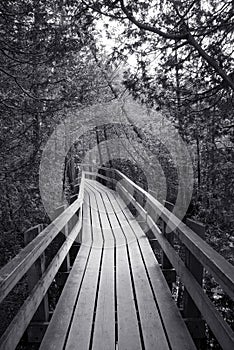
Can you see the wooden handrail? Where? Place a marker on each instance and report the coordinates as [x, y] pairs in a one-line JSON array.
[[151, 209], [213, 318], [221, 269], [12, 272], [16, 329]]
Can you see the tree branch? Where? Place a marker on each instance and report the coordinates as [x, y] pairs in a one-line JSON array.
[[94, 8], [150, 28], [227, 79], [186, 36]]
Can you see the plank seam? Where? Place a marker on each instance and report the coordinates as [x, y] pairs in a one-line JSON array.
[[151, 286], [133, 284], [99, 277], [115, 277], [76, 301]]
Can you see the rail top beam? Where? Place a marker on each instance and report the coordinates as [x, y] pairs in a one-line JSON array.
[[216, 264], [13, 271]]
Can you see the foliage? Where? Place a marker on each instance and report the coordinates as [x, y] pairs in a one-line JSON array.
[[53, 65]]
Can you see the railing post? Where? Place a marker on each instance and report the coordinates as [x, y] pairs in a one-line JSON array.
[[151, 212], [76, 245], [65, 267], [192, 315], [76, 189], [167, 268], [39, 323], [113, 180]]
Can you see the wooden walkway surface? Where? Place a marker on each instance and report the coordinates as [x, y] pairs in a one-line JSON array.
[[116, 296]]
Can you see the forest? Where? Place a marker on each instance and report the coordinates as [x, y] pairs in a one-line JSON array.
[[61, 58]]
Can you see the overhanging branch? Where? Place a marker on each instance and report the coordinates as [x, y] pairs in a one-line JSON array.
[[150, 28]]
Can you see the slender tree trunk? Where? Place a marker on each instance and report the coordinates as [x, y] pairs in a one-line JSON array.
[[178, 93], [212, 154], [198, 164]]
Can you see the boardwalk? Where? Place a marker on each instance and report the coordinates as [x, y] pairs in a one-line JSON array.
[[116, 296]]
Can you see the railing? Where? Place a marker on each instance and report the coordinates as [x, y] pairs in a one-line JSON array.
[[31, 260], [197, 253]]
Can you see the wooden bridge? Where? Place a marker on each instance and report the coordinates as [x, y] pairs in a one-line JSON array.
[[115, 293]]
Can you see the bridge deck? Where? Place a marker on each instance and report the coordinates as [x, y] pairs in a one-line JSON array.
[[115, 296]]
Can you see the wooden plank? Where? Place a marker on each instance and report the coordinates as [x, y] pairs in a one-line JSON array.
[[177, 332], [128, 333], [111, 202], [152, 328], [101, 187], [106, 228], [96, 227], [108, 199], [121, 217], [14, 332], [105, 192], [128, 328], [80, 331], [117, 206], [153, 332], [81, 327], [56, 333], [104, 330], [101, 207]]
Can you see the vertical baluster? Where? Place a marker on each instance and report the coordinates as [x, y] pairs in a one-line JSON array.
[[65, 267], [167, 268], [191, 313], [37, 327]]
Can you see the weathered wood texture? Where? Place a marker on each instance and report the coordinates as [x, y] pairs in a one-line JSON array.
[[167, 267], [198, 255], [222, 271], [35, 273], [17, 267], [191, 312], [118, 300], [116, 295], [11, 273], [39, 322]]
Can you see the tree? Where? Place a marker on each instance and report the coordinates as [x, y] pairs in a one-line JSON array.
[[184, 66], [47, 70], [190, 24]]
